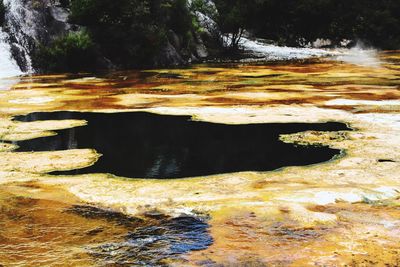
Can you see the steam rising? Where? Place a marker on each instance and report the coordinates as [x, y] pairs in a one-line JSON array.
[[360, 55], [273, 52]]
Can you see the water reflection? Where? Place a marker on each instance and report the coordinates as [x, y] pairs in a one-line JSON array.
[[145, 145]]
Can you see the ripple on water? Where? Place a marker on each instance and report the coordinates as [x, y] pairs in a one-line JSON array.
[[158, 244], [152, 241], [38, 232]]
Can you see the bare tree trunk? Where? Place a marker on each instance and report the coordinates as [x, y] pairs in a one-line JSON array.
[[235, 40]]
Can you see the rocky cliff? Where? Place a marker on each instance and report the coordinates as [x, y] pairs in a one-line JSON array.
[[34, 24]]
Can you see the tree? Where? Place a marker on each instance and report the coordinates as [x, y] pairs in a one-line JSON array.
[[131, 33], [297, 22], [233, 18], [123, 29], [73, 53]]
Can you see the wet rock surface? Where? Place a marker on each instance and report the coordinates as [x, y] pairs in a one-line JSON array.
[[72, 233], [30, 23], [151, 240]]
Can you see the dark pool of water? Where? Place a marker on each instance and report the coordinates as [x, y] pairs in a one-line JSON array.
[[144, 145]]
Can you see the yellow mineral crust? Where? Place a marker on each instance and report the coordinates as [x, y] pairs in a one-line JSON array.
[[38, 229], [4, 147], [17, 131], [43, 162], [340, 212]]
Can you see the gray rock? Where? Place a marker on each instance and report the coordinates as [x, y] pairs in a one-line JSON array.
[[200, 49], [32, 22], [174, 40], [168, 56], [59, 14]]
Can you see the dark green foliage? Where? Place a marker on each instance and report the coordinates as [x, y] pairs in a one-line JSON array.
[[123, 29], [203, 7], [297, 22], [174, 15], [127, 33], [177, 16], [73, 52], [131, 32], [2, 12], [65, 3], [233, 18]]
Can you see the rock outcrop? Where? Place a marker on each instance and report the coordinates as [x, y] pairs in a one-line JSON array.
[[32, 23]]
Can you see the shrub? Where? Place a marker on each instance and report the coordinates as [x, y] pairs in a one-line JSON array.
[[132, 32], [302, 21], [233, 18], [73, 52], [128, 33], [124, 30]]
